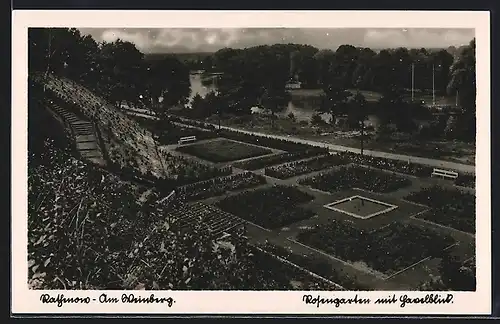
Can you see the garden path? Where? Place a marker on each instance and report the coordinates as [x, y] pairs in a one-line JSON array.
[[339, 148]]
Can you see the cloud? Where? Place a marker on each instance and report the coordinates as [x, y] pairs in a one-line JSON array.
[[417, 37], [207, 40]]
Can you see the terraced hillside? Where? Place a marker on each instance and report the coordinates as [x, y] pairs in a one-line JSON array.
[[124, 136], [126, 143]]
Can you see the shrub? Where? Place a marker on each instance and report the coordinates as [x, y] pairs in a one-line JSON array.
[[316, 120]]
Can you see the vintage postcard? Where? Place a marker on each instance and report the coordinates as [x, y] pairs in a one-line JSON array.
[[260, 162]]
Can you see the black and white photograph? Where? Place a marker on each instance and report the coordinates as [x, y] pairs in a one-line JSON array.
[[309, 159]]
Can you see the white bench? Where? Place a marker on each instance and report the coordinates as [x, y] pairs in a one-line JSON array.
[[167, 198], [444, 173], [187, 139]]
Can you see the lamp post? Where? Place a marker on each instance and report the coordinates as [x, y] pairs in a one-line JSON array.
[[433, 88], [362, 133], [216, 94], [412, 80]]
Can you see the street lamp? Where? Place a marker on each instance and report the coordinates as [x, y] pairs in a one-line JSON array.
[[214, 77]]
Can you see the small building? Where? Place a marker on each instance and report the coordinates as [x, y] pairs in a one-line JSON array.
[[293, 85]]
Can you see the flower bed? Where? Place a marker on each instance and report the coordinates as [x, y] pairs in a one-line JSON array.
[[293, 169], [272, 207], [466, 180], [418, 170], [219, 186], [439, 197], [453, 208], [460, 220], [269, 160], [223, 150], [286, 276], [386, 250], [317, 266], [356, 177]]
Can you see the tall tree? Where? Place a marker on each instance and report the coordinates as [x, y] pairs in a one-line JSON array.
[[346, 58], [463, 78], [325, 59], [273, 100], [383, 77], [401, 67], [442, 61], [168, 78], [390, 103], [122, 65], [463, 83], [363, 73], [334, 99], [60, 50]]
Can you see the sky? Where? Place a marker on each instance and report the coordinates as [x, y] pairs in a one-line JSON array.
[[185, 40]]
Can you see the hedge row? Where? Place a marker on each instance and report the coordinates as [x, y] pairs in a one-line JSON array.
[[294, 169], [270, 160], [278, 144]]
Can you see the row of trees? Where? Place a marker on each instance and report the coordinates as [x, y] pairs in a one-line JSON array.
[[358, 67], [258, 75], [351, 66], [117, 70]]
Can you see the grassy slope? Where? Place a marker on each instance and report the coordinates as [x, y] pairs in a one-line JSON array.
[[127, 143]]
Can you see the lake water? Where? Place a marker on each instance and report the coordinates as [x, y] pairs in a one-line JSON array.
[[302, 110], [197, 87]]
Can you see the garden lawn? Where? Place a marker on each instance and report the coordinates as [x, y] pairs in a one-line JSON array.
[[223, 150], [387, 250], [272, 207]]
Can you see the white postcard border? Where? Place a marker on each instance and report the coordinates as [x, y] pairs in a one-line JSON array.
[[225, 302]]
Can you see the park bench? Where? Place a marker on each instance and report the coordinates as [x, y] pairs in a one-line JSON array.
[[167, 198], [187, 139], [444, 173]]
